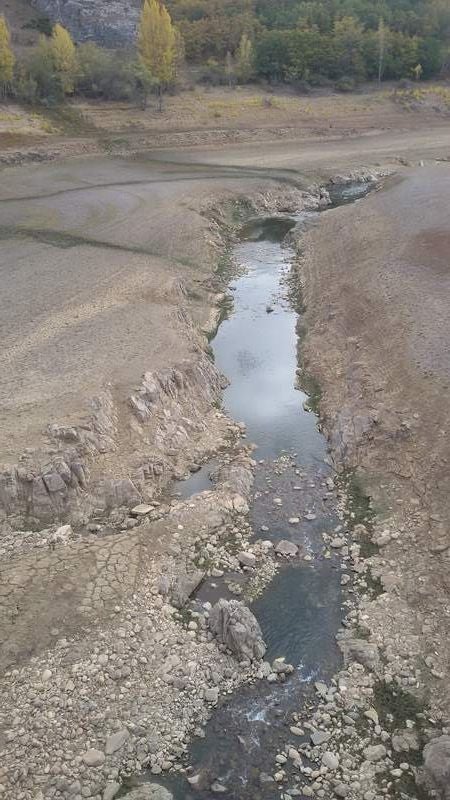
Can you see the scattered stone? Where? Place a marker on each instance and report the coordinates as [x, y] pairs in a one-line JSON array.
[[320, 737], [116, 741], [61, 535], [93, 758], [337, 542], [365, 653], [212, 695], [375, 752], [141, 510], [405, 740], [330, 760], [372, 715], [341, 790], [218, 788]]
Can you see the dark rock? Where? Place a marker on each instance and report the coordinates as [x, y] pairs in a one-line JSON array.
[[237, 628], [182, 586]]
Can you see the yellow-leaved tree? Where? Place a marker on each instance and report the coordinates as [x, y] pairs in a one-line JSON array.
[[245, 58], [63, 53], [157, 45], [6, 58]]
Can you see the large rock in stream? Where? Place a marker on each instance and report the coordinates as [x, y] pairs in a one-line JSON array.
[[236, 627]]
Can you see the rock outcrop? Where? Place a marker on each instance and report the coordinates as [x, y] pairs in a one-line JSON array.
[[237, 628], [111, 23], [64, 480]]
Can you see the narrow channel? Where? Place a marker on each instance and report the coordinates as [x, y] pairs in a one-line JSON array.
[[300, 612]]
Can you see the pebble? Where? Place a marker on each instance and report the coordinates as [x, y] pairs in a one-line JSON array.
[[320, 737], [330, 760], [375, 752], [218, 788], [111, 790], [341, 790]]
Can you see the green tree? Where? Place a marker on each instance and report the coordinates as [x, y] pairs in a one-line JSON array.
[[245, 59], [113, 75], [349, 45], [157, 44], [273, 57], [7, 59], [381, 48], [63, 54]]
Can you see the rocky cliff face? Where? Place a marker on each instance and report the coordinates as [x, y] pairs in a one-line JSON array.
[[111, 23]]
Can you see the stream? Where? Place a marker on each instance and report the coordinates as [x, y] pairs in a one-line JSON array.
[[301, 610]]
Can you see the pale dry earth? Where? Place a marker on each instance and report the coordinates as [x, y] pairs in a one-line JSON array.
[[105, 262]]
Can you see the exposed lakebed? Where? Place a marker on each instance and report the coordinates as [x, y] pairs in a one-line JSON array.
[[300, 612]]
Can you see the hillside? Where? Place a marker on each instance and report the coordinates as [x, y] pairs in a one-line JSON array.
[[294, 40]]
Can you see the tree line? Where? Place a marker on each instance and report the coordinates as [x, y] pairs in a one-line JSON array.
[[302, 42]]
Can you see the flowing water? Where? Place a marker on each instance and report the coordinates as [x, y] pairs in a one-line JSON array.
[[301, 609]]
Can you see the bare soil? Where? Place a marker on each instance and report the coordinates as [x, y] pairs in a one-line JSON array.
[[104, 260], [376, 282]]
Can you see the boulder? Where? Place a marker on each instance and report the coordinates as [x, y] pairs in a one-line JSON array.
[[365, 653], [246, 559], [93, 757], [436, 756], [116, 741], [286, 549], [236, 627], [180, 587]]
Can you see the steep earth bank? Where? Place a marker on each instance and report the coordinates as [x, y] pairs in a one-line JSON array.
[[375, 282]]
